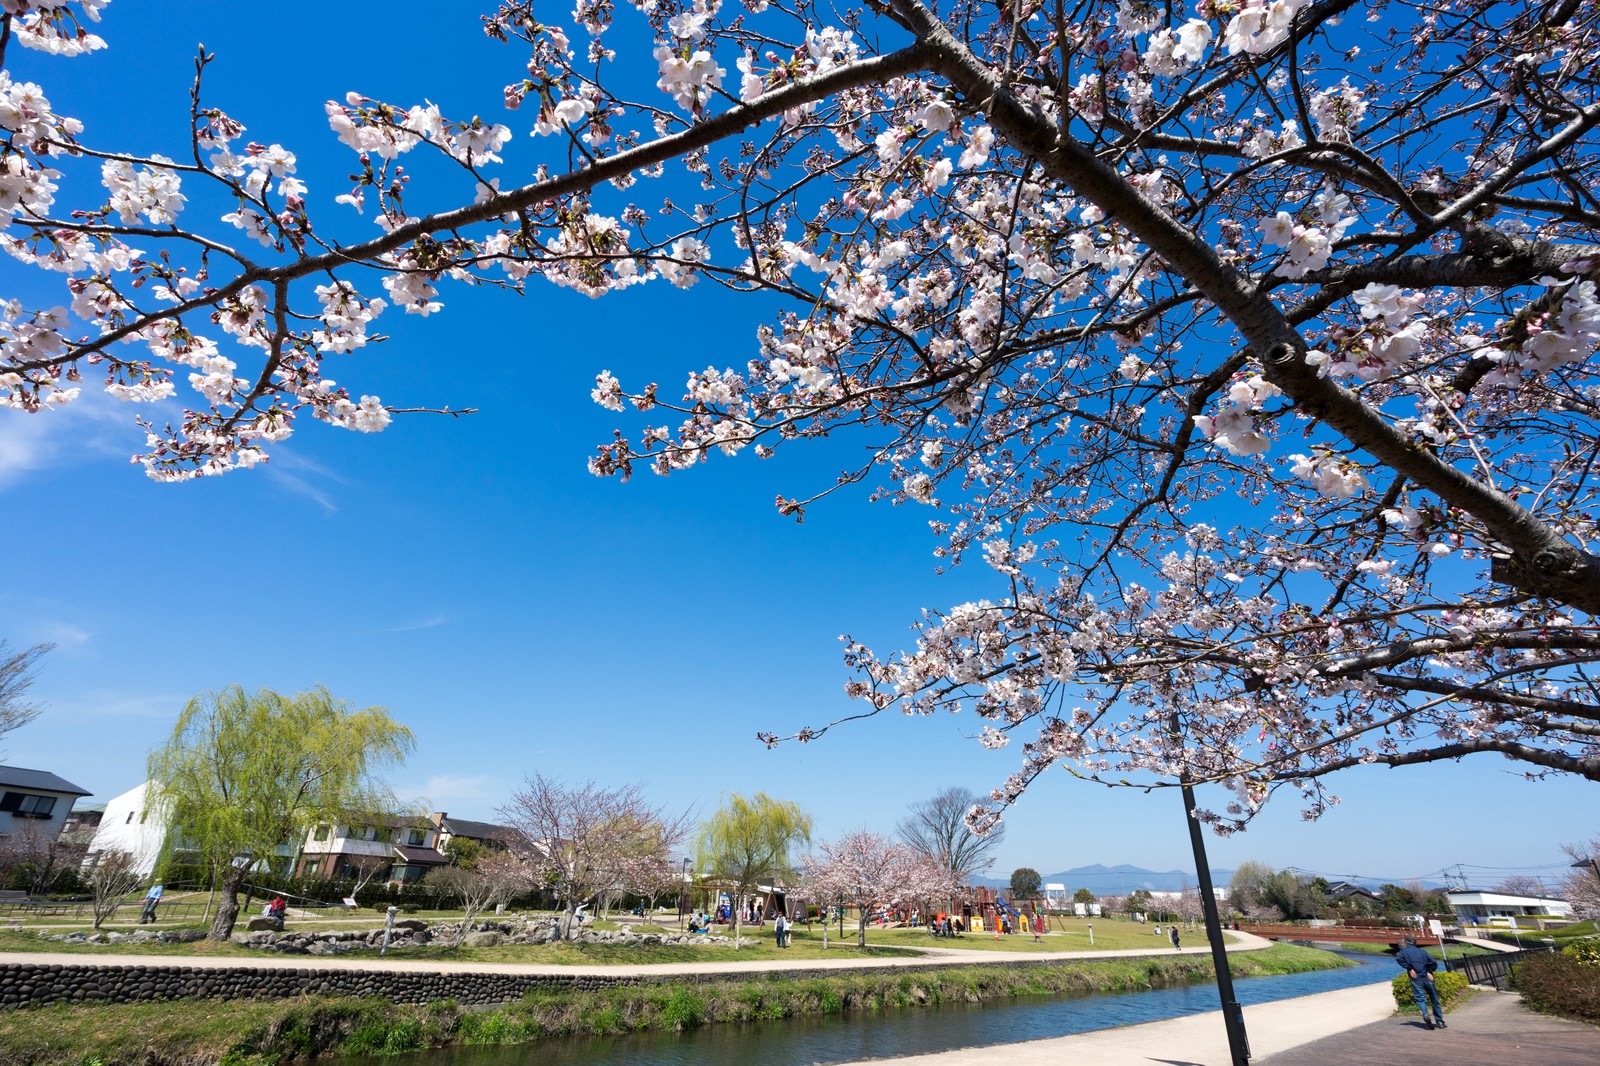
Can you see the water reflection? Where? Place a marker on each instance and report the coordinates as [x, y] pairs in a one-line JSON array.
[[814, 1041]]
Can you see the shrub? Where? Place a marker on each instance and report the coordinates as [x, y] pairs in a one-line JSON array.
[[1585, 952], [1559, 984], [682, 1010], [1450, 986]]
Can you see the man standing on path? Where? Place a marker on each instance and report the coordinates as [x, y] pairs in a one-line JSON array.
[[1175, 945], [1419, 966], [152, 899]]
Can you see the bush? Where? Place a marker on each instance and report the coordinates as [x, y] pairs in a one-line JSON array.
[[1584, 952], [1450, 986], [1560, 984]]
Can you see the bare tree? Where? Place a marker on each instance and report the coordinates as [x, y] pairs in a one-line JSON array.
[[113, 877], [16, 675], [580, 839], [495, 878], [365, 868], [1523, 885], [937, 829]]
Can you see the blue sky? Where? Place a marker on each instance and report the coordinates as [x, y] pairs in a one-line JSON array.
[[519, 614]]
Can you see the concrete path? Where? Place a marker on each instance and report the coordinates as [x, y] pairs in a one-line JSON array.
[[1352, 1027], [1196, 1040]]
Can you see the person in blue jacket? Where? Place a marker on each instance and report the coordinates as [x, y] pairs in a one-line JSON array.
[[1419, 966]]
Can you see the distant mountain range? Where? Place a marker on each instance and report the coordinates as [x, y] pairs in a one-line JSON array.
[[1118, 880]]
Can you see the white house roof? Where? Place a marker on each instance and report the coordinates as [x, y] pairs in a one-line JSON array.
[[39, 780], [1498, 899]]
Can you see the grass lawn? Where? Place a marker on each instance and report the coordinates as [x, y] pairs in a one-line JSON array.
[[1071, 934]]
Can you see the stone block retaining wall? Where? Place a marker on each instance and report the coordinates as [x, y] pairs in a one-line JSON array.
[[33, 985]]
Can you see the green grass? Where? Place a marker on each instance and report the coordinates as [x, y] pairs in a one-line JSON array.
[[1070, 934], [253, 1033]]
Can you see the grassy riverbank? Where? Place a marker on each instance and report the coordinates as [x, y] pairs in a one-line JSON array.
[[254, 1033]]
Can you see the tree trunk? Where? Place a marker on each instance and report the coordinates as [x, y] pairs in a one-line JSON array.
[[228, 907], [738, 912], [861, 929], [565, 924]]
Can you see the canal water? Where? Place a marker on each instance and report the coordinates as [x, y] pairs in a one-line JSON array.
[[883, 1034]]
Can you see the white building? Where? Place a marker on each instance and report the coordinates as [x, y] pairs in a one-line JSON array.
[[34, 804], [1478, 908], [130, 824]]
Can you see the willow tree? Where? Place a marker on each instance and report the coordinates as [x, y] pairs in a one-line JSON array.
[[748, 840], [245, 775]]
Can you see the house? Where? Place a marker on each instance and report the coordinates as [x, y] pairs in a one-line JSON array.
[[1479, 908], [1346, 892], [34, 805], [484, 834], [388, 848], [132, 822]]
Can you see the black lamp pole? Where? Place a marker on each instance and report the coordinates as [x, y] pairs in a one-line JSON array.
[[1232, 1013]]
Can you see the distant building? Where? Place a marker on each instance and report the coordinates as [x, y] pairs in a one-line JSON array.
[[132, 822], [34, 804], [401, 849], [1479, 908], [1346, 891], [484, 834]]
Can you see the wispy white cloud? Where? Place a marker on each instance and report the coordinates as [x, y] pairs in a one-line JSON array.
[[94, 426], [64, 634], [472, 795], [426, 623], [103, 703]]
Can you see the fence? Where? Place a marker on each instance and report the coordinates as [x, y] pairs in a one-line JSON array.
[[1491, 969]]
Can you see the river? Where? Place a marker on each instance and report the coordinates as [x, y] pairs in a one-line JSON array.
[[883, 1034]]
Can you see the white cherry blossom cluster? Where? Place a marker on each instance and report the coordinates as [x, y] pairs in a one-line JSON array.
[[372, 127], [151, 191], [1330, 475], [1260, 25], [52, 26], [1307, 238], [1235, 428], [1569, 335]]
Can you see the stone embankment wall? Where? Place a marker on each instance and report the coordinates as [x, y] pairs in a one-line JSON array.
[[29, 984], [37, 985]]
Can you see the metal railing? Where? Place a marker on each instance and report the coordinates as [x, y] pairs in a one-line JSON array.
[[1492, 969]]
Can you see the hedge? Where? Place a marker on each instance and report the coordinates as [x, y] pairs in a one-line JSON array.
[[1560, 984], [1450, 986]]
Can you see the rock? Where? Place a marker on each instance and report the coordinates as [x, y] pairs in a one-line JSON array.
[[482, 940], [259, 924], [416, 925]]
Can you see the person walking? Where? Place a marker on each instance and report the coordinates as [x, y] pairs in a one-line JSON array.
[[1419, 966], [152, 899], [1175, 945], [780, 927]]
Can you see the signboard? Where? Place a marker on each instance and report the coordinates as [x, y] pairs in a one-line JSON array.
[[1435, 927]]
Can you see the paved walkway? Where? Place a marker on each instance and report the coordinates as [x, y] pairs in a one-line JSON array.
[[1352, 1027]]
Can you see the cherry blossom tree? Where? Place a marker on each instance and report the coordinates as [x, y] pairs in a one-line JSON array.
[[581, 840], [1581, 886], [495, 878], [869, 871], [1250, 343]]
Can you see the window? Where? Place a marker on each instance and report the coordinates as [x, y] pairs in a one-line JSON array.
[[130, 818], [27, 805], [415, 837]]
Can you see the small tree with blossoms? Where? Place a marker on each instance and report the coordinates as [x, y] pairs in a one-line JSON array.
[[869, 871], [1249, 343], [581, 840]]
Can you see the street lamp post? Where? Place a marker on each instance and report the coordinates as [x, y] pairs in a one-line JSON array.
[[1232, 1013], [683, 892]]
